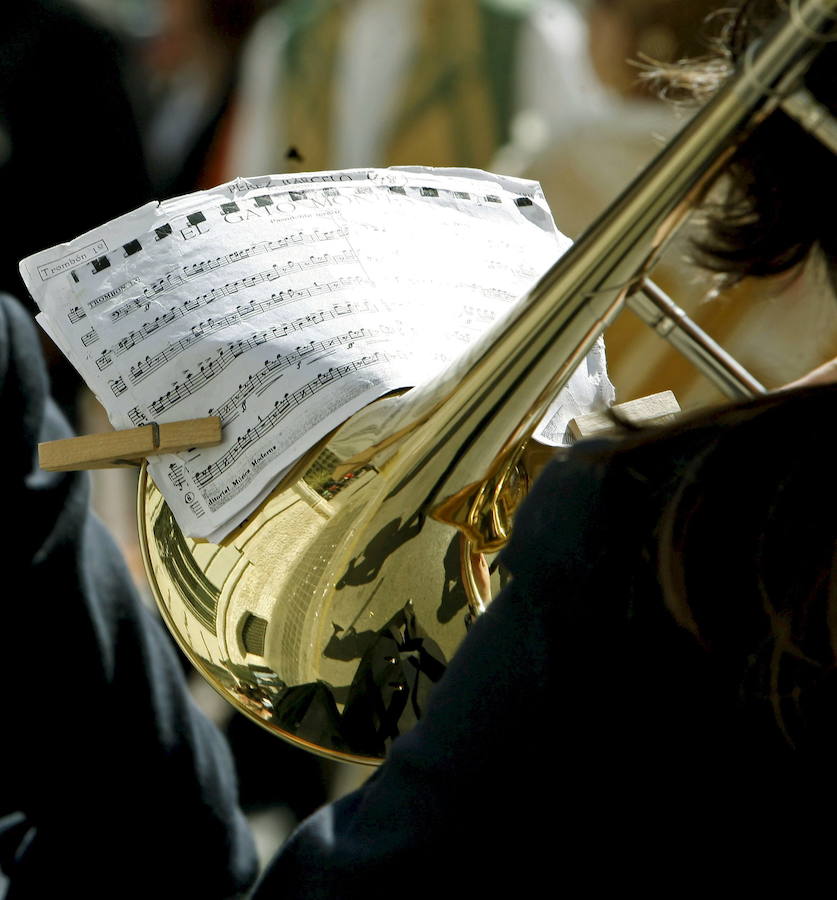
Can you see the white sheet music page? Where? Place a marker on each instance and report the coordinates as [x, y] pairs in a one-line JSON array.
[[284, 304]]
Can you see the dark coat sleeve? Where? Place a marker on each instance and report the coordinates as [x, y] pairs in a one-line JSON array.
[[459, 795], [114, 781]]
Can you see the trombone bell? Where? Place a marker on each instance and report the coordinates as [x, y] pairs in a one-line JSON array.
[[331, 613]]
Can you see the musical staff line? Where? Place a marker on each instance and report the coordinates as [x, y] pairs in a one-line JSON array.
[[480, 313], [266, 424], [176, 476], [272, 369], [137, 417], [490, 292], [213, 366], [299, 238], [242, 311], [141, 370], [276, 271]]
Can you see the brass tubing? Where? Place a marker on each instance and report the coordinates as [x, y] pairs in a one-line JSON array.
[[523, 362], [670, 322]]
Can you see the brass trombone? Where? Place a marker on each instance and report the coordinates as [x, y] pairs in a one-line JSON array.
[[330, 613]]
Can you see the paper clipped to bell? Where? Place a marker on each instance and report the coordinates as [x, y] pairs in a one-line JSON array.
[[284, 304]]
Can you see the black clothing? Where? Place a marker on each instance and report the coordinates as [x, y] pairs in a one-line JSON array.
[[584, 738], [113, 783], [70, 151]]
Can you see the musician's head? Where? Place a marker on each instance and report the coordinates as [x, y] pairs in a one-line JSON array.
[[778, 203]]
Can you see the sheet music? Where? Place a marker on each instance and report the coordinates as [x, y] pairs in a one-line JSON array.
[[284, 304]]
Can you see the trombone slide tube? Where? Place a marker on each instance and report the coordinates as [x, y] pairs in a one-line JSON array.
[[669, 321], [526, 359]]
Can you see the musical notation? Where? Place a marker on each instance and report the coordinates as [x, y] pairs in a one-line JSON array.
[[137, 417], [131, 306], [104, 360], [213, 367], [257, 307], [242, 311], [176, 475], [281, 320], [205, 266], [480, 313], [292, 240], [489, 291], [281, 409], [259, 380], [141, 370], [264, 277]]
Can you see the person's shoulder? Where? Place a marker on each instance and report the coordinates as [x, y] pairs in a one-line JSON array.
[[773, 430], [604, 489]]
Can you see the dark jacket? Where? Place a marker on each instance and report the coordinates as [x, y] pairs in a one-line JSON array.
[[594, 736], [113, 784]]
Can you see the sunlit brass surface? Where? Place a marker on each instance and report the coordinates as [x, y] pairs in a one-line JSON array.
[[328, 615]]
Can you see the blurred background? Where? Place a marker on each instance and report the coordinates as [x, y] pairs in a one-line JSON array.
[[106, 104]]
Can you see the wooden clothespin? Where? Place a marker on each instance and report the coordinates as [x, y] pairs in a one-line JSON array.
[[655, 409], [128, 447]]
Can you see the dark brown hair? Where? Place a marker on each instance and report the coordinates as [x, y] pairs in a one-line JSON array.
[[777, 204], [741, 549]]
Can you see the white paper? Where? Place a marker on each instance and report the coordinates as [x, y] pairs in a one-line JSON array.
[[285, 304]]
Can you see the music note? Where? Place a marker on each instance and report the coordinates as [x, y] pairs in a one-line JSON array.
[[175, 475], [137, 417]]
